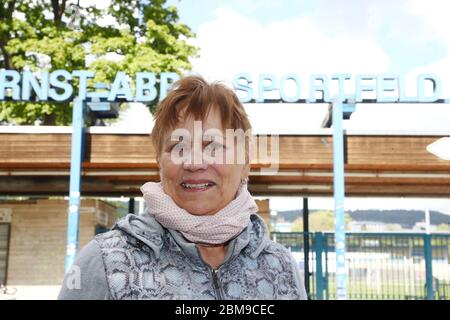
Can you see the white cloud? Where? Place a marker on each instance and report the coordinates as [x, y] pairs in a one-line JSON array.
[[233, 43], [435, 14]]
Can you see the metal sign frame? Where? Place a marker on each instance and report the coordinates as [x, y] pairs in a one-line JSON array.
[[341, 108]]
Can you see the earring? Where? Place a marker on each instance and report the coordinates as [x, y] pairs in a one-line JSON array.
[[244, 181]]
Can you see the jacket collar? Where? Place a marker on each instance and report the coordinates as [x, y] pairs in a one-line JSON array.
[[142, 228], [252, 240]]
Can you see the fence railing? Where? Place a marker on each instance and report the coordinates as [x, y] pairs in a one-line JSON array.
[[379, 265]]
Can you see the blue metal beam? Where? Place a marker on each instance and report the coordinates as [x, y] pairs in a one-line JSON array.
[[339, 194], [75, 181]]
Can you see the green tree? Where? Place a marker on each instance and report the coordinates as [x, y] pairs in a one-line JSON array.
[[319, 221], [61, 34]]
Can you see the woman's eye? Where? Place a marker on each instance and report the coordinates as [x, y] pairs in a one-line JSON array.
[[179, 145], [217, 145], [170, 148]]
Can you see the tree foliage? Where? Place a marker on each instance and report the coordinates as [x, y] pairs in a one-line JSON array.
[[319, 221], [130, 36]]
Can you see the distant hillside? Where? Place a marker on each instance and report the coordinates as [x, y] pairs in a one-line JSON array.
[[291, 215], [406, 218]]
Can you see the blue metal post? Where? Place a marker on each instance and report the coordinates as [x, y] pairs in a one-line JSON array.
[[75, 181], [428, 266], [318, 236], [339, 194]]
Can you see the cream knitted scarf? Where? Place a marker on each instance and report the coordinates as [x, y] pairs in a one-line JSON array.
[[211, 229]]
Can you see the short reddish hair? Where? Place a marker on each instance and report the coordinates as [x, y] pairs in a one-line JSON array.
[[196, 97]]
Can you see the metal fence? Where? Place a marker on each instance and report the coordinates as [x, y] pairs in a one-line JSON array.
[[379, 265]]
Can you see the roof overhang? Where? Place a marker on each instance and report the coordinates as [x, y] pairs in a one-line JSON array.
[[36, 161]]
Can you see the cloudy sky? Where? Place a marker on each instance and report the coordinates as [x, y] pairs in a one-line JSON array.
[[407, 37], [324, 36]]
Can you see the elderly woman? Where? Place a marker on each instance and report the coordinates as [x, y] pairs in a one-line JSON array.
[[200, 237]]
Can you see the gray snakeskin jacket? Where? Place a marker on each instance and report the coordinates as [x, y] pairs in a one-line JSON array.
[[140, 259]]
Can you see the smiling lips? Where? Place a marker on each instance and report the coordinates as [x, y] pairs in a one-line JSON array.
[[197, 185]]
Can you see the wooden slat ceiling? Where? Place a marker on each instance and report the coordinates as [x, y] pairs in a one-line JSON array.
[[118, 164]]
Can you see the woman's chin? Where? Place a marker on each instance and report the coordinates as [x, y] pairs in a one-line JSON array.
[[200, 211]]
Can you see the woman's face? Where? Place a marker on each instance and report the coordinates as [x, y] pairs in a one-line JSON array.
[[203, 186]]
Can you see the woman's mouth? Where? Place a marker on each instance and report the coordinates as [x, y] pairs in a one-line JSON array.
[[197, 186]]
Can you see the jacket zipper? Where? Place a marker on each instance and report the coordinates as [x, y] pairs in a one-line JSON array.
[[216, 283]]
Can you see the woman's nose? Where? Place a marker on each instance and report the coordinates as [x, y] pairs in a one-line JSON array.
[[192, 166], [195, 161]]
